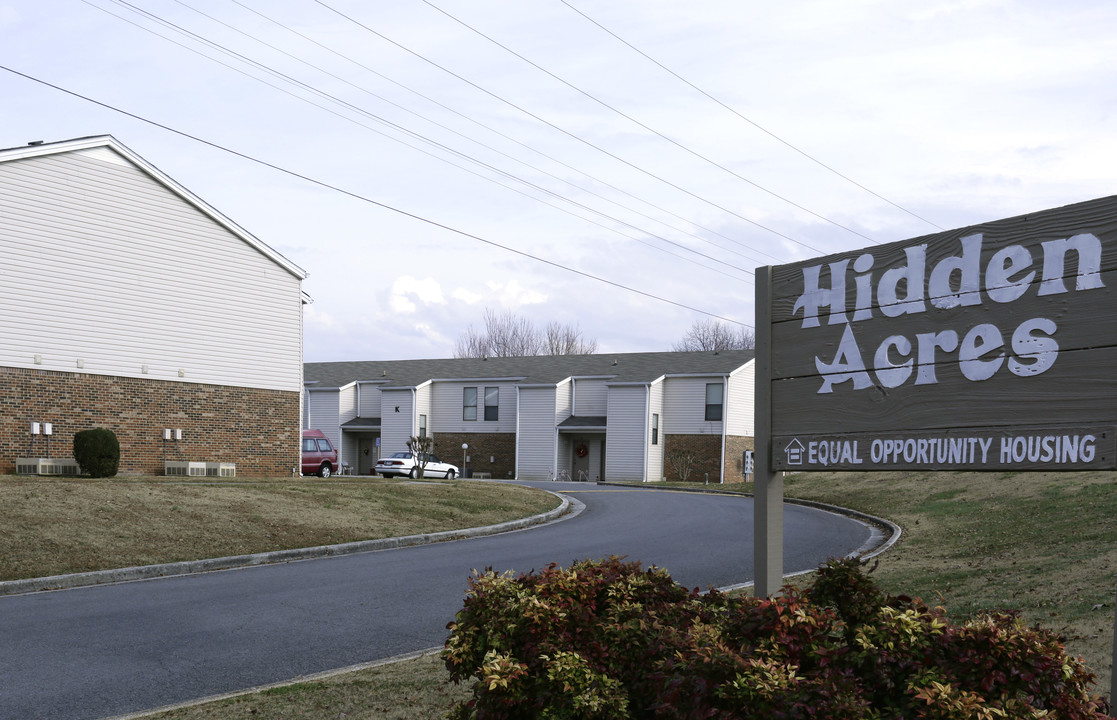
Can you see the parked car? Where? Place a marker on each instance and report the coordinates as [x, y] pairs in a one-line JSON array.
[[319, 455], [404, 464]]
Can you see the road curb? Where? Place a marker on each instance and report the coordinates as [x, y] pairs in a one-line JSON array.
[[885, 532], [190, 567]]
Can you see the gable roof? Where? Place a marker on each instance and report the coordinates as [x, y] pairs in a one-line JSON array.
[[111, 144], [534, 370]]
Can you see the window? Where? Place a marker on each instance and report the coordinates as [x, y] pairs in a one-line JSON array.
[[324, 445], [469, 403], [713, 401], [309, 445], [492, 403], [422, 426], [655, 428]]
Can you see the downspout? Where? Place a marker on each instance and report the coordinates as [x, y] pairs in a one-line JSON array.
[[724, 427], [647, 429], [516, 467]]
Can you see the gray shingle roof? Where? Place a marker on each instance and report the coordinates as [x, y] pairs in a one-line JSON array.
[[542, 369]]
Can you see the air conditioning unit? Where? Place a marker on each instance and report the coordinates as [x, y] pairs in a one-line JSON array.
[[29, 466], [47, 466], [59, 466], [184, 468], [221, 469]]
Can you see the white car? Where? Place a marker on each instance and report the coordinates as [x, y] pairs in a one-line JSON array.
[[403, 464]]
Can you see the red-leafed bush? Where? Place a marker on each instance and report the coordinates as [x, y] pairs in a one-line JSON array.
[[611, 640]]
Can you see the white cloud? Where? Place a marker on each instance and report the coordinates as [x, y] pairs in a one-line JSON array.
[[511, 294], [426, 291], [467, 296]]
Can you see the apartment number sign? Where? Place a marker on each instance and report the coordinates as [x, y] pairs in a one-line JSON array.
[[988, 347]]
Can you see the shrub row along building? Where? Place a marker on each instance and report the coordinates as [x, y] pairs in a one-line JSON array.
[[131, 304], [626, 417]]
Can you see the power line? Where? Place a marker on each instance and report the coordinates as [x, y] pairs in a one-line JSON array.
[[432, 143], [513, 140], [568, 133], [453, 131], [652, 130], [370, 201], [749, 121], [415, 135]]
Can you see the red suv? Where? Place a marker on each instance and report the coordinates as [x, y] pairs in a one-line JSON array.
[[319, 456]]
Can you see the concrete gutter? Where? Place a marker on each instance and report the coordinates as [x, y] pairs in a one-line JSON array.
[[566, 508]]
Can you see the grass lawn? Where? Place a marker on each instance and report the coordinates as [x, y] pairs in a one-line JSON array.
[[57, 526], [1043, 543]]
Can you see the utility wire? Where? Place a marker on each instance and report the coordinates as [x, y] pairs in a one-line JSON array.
[[749, 121], [370, 201], [512, 158], [570, 134], [525, 146], [422, 138], [652, 130]]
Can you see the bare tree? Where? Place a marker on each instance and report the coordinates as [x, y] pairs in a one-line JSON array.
[[682, 462], [421, 446], [559, 339], [715, 335], [509, 335]]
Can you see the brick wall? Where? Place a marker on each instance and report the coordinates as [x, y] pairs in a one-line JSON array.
[[256, 429], [499, 446], [707, 456], [735, 446]]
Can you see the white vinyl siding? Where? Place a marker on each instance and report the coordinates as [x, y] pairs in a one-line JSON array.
[[347, 453], [107, 267], [564, 401], [422, 407], [346, 410], [446, 407], [591, 396], [347, 403], [447, 410], [685, 405], [655, 452], [369, 401], [322, 414], [396, 427], [535, 439], [739, 402], [626, 433]]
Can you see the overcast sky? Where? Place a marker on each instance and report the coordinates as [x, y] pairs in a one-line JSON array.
[[620, 165]]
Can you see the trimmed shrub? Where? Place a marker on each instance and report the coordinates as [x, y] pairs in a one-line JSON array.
[[608, 639], [97, 451]]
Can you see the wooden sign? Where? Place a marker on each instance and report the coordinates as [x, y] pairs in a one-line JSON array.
[[989, 347], [1005, 333]]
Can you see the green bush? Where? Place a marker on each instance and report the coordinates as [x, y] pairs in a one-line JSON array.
[[97, 451], [608, 639]]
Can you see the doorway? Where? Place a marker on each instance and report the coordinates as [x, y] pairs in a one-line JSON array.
[[368, 452]]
